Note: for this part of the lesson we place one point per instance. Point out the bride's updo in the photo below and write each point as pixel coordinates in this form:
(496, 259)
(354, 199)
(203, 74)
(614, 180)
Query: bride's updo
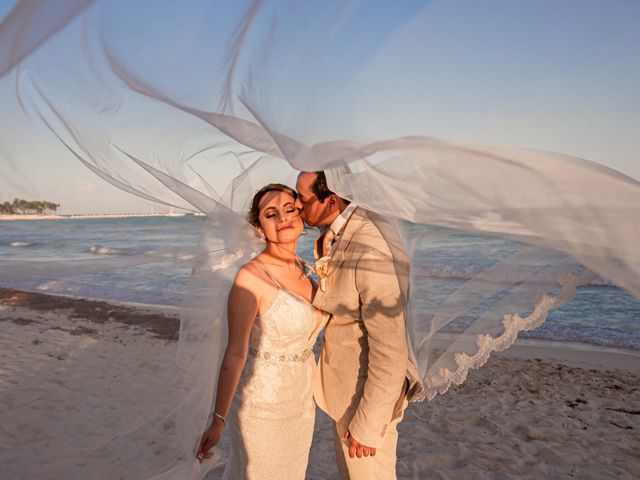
(254, 211)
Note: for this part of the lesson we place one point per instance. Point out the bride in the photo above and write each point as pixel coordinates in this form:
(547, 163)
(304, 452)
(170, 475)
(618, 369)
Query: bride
(264, 395)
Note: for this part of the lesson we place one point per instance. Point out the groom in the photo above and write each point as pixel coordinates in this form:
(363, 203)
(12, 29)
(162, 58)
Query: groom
(366, 374)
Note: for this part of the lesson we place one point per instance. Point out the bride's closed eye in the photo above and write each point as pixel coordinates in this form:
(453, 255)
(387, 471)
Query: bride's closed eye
(271, 215)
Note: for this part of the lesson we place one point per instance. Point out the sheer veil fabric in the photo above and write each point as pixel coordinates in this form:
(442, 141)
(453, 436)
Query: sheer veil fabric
(197, 104)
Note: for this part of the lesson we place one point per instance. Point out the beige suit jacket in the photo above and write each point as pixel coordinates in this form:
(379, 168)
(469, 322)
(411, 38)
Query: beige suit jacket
(366, 368)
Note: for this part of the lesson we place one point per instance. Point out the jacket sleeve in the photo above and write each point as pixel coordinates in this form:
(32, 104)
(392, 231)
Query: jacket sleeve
(383, 314)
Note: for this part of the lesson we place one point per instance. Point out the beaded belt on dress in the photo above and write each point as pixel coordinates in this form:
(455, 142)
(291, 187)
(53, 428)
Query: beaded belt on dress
(281, 357)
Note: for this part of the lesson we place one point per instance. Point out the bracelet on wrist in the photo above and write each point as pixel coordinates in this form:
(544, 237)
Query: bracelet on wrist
(215, 415)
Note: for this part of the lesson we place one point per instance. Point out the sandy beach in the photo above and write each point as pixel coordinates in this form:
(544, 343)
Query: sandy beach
(538, 411)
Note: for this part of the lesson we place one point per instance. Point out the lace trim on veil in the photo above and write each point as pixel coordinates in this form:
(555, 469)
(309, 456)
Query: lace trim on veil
(442, 380)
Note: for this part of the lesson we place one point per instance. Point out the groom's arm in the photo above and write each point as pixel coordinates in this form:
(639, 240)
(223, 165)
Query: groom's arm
(383, 309)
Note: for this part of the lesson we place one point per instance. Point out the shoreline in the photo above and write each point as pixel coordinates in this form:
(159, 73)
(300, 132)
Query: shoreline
(578, 355)
(571, 354)
(161, 324)
(30, 217)
(155, 307)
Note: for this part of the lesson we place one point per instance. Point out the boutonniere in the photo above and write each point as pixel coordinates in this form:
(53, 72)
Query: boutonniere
(322, 270)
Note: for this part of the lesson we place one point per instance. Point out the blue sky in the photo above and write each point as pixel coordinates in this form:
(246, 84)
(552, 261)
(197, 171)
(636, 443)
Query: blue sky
(559, 76)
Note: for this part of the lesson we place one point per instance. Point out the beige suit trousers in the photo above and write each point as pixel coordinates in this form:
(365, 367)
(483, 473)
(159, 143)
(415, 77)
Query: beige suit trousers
(382, 466)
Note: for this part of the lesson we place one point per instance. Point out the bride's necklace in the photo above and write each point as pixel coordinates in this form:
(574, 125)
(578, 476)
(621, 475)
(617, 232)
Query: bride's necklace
(305, 270)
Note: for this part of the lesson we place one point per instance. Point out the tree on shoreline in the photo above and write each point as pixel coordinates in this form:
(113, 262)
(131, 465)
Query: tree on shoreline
(20, 207)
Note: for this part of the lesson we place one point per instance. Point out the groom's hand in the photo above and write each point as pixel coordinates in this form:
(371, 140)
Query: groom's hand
(356, 448)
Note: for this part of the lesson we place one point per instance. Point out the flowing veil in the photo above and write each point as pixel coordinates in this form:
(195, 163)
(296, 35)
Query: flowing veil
(176, 103)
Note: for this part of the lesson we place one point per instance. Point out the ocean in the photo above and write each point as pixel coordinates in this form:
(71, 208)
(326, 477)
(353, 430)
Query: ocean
(601, 314)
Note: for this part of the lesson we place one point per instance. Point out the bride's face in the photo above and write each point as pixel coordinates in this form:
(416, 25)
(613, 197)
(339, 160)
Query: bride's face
(279, 217)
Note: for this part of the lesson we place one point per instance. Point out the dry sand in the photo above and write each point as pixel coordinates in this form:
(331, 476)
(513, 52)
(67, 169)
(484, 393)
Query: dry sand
(540, 411)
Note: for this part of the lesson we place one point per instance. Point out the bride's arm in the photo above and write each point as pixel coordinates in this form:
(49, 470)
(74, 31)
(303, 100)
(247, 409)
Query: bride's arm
(242, 308)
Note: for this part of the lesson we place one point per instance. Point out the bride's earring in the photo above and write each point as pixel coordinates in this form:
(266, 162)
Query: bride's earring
(260, 234)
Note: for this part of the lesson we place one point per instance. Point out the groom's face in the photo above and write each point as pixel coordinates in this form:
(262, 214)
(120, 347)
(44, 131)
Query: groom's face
(314, 212)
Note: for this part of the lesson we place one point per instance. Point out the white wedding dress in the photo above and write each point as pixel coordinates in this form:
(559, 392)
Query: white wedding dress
(273, 412)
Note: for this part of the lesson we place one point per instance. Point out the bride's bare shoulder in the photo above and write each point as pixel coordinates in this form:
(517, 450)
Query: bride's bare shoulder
(251, 276)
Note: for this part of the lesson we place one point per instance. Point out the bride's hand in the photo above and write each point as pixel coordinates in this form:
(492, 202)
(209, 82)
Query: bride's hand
(210, 438)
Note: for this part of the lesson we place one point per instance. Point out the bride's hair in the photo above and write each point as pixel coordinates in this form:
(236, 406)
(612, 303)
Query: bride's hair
(254, 211)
